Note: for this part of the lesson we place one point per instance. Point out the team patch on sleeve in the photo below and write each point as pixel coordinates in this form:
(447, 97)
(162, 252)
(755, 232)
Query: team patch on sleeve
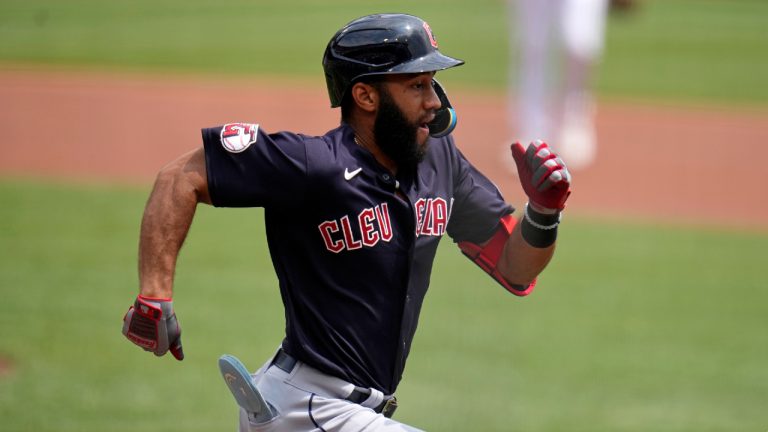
(236, 137)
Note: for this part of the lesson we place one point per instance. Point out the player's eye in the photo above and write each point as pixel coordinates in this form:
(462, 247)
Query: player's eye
(421, 82)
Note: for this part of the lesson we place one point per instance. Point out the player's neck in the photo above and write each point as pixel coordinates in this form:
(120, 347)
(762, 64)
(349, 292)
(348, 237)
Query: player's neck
(365, 138)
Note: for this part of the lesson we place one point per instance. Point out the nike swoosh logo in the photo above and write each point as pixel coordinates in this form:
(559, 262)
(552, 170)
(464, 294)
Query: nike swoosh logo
(348, 175)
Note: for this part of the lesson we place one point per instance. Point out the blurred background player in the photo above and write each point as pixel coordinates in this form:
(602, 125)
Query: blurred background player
(555, 46)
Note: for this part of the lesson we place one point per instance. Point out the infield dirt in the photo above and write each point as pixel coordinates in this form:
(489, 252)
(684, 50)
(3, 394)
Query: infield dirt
(678, 164)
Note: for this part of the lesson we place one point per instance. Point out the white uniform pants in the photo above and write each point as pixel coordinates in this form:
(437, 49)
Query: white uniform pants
(308, 400)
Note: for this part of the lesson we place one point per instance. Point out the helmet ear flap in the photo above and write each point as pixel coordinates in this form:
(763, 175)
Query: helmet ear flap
(445, 117)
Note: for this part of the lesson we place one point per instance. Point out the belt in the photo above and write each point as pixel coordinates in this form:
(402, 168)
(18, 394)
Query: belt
(286, 363)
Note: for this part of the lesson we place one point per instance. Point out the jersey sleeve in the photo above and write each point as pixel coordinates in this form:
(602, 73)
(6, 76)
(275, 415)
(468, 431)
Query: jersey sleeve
(249, 168)
(478, 204)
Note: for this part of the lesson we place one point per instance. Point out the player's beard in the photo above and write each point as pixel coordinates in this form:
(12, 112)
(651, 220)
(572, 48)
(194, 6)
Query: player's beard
(395, 135)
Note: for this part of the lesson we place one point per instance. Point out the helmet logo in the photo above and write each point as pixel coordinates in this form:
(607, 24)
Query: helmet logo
(432, 39)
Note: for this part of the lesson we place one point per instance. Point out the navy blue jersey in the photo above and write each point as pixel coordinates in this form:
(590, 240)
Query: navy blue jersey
(353, 258)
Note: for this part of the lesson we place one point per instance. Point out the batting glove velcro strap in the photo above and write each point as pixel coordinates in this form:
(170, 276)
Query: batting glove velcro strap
(151, 324)
(539, 230)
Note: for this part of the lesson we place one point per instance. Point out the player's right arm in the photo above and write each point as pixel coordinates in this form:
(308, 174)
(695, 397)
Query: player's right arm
(168, 214)
(151, 323)
(231, 169)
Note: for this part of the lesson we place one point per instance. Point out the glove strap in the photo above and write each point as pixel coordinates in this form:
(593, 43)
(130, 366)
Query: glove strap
(543, 218)
(539, 230)
(155, 299)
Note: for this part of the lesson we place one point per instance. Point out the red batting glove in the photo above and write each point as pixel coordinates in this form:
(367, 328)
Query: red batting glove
(151, 324)
(543, 175)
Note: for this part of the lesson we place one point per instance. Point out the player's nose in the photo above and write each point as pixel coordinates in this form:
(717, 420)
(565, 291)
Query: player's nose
(432, 100)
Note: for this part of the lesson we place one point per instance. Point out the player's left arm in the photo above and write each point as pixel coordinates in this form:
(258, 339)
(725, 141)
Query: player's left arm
(521, 248)
(547, 183)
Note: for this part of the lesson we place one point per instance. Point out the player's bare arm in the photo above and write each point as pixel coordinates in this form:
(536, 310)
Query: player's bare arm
(151, 322)
(178, 188)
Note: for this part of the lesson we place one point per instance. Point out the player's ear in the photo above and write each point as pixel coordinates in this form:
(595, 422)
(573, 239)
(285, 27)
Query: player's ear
(365, 96)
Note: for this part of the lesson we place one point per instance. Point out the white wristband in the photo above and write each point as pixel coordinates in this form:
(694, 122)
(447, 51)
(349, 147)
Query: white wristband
(538, 225)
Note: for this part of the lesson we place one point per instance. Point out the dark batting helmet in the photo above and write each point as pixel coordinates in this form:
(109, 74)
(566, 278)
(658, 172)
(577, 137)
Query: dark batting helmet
(379, 45)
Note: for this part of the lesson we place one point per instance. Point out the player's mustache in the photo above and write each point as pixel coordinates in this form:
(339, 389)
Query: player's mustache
(428, 117)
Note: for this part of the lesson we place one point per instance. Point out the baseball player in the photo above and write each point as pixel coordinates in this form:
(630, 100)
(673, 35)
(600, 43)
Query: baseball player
(556, 47)
(353, 221)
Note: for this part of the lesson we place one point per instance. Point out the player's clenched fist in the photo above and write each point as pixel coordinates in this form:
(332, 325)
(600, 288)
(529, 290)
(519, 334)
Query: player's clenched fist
(151, 324)
(543, 175)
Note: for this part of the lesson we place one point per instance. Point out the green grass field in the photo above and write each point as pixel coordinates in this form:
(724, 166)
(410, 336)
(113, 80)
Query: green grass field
(633, 327)
(695, 50)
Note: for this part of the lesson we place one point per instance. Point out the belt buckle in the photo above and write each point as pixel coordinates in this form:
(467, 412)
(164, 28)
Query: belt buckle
(389, 407)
